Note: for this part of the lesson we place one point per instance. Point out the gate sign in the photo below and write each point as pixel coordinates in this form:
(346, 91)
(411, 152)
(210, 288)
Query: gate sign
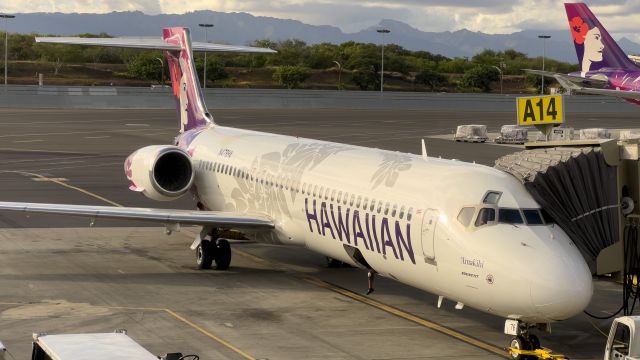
(540, 110)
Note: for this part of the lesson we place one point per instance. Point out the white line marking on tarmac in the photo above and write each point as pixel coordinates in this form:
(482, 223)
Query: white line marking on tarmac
(28, 141)
(136, 124)
(97, 137)
(50, 179)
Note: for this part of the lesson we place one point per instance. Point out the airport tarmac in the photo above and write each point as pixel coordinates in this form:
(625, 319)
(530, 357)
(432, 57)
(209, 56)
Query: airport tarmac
(59, 276)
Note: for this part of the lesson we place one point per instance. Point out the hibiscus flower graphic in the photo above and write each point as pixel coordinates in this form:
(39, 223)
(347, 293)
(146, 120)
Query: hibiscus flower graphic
(579, 29)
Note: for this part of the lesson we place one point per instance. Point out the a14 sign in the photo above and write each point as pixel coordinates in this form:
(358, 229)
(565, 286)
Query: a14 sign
(540, 110)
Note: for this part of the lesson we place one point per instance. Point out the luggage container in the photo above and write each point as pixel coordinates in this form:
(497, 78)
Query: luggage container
(471, 133)
(512, 134)
(594, 134)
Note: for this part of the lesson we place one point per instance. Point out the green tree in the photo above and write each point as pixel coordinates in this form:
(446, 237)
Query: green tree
(365, 78)
(146, 66)
(291, 76)
(480, 77)
(431, 79)
(216, 70)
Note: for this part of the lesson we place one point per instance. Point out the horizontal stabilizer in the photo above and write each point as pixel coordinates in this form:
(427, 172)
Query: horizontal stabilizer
(162, 216)
(578, 80)
(151, 43)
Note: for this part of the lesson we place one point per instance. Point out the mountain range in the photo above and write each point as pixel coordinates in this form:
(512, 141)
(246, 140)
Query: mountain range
(244, 28)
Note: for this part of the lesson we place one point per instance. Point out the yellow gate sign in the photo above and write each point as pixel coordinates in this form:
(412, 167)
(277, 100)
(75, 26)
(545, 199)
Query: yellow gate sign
(540, 110)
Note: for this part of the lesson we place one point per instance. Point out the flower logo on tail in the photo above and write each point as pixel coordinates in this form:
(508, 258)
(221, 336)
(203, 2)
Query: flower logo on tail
(579, 29)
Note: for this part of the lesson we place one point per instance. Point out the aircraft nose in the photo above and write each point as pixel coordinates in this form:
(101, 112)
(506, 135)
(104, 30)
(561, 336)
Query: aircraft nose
(563, 287)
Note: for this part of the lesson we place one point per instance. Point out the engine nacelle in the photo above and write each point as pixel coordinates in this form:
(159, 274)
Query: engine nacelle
(160, 172)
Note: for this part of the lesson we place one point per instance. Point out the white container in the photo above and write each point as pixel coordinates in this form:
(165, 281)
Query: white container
(471, 133)
(561, 134)
(594, 134)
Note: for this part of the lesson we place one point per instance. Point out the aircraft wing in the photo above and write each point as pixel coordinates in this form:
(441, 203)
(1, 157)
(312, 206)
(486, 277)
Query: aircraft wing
(151, 43)
(167, 217)
(573, 79)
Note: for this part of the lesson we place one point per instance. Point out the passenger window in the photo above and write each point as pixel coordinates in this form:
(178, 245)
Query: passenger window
(393, 212)
(409, 214)
(466, 215)
(366, 202)
(304, 188)
(333, 195)
(509, 216)
(533, 217)
(345, 198)
(485, 215)
(401, 213)
(379, 207)
(359, 201)
(315, 190)
(339, 196)
(373, 205)
(353, 197)
(386, 209)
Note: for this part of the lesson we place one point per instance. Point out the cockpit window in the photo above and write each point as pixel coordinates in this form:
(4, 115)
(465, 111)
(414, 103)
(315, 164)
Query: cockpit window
(492, 197)
(533, 217)
(547, 218)
(466, 215)
(485, 215)
(510, 216)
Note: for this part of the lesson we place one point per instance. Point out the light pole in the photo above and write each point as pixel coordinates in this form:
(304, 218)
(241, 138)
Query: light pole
(6, 45)
(206, 28)
(161, 63)
(500, 70)
(544, 54)
(339, 74)
(382, 31)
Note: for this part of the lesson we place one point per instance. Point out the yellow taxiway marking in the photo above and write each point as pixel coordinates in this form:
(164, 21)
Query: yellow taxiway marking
(315, 281)
(177, 317)
(378, 305)
(168, 311)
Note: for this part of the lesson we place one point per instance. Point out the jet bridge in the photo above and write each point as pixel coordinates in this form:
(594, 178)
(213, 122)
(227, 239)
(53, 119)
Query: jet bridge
(590, 188)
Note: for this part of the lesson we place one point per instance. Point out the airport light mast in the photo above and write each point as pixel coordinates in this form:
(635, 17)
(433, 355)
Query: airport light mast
(339, 74)
(383, 32)
(6, 45)
(544, 54)
(206, 30)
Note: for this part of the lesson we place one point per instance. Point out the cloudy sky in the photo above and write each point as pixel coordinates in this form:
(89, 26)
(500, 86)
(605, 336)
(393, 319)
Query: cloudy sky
(490, 16)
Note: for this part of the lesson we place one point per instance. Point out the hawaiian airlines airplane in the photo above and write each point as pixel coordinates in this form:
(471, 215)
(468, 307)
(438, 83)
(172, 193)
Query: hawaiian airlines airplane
(465, 232)
(604, 68)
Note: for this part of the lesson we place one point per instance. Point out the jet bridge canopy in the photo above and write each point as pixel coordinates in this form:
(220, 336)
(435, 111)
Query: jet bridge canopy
(577, 188)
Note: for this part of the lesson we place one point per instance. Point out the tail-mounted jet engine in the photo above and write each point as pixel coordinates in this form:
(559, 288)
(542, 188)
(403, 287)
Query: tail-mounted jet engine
(160, 172)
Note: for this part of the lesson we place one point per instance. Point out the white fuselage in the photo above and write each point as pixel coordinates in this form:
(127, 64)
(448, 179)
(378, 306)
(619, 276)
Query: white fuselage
(400, 213)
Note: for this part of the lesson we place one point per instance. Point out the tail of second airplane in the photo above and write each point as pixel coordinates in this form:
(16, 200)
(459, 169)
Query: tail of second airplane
(595, 48)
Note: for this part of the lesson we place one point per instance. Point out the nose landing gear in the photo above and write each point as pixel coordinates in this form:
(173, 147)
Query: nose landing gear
(524, 345)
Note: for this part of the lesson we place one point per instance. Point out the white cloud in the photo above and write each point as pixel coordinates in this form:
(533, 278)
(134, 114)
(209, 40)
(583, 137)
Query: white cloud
(490, 16)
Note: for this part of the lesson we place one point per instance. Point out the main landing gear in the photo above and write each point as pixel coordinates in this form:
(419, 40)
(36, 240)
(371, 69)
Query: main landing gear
(210, 251)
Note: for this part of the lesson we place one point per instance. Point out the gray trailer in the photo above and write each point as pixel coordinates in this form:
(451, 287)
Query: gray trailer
(102, 346)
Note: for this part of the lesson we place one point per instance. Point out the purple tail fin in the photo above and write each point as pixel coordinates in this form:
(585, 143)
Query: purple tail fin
(596, 49)
(192, 110)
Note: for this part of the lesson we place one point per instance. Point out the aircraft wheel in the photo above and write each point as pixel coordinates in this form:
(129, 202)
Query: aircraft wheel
(223, 254)
(518, 343)
(205, 254)
(333, 263)
(534, 342)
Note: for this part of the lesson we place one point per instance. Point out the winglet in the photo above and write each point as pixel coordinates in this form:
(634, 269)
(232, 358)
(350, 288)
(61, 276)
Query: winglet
(424, 150)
